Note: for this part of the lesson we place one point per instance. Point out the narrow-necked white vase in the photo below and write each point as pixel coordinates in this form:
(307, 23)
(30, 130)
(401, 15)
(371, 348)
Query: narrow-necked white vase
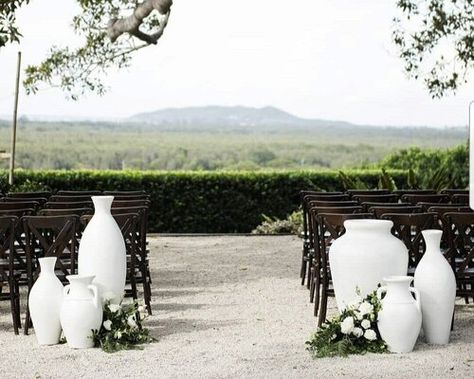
(399, 321)
(44, 303)
(102, 251)
(435, 280)
(363, 256)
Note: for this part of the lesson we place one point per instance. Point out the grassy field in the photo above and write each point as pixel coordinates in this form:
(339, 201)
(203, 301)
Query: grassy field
(134, 146)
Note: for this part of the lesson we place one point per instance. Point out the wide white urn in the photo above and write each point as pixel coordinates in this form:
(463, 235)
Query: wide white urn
(365, 254)
(81, 311)
(102, 251)
(435, 280)
(399, 321)
(44, 303)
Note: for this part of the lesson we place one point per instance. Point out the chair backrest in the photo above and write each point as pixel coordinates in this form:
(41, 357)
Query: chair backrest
(79, 193)
(323, 197)
(29, 195)
(48, 236)
(460, 198)
(19, 205)
(378, 211)
(453, 191)
(425, 198)
(70, 198)
(18, 212)
(461, 242)
(383, 198)
(39, 200)
(130, 203)
(65, 212)
(408, 227)
(68, 205)
(321, 203)
(427, 206)
(414, 192)
(7, 240)
(353, 192)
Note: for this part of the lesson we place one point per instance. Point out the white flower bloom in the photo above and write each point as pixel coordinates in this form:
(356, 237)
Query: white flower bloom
(141, 309)
(370, 335)
(333, 337)
(107, 324)
(358, 315)
(366, 308)
(347, 325)
(131, 321)
(108, 295)
(118, 334)
(114, 308)
(365, 324)
(354, 304)
(358, 332)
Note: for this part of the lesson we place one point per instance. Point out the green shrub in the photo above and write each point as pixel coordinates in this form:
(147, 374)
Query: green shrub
(205, 202)
(293, 224)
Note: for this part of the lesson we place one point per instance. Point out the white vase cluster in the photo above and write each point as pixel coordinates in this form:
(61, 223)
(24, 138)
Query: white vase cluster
(368, 254)
(76, 309)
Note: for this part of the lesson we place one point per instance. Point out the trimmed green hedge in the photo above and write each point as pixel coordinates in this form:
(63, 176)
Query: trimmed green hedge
(204, 202)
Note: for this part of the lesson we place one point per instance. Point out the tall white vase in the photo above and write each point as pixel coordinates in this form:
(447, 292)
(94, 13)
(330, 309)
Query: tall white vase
(399, 321)
(102, 251)
(435, 280)
(44, 303)
(81, 311)
(363, 256)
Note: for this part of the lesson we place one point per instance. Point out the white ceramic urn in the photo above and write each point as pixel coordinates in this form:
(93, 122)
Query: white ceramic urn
(435, 280)
(81, 311)
(102, 251)
(44, 302)
(363, 256)
(399, 321)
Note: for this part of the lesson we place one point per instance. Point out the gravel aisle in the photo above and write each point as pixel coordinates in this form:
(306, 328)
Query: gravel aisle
(230, 307)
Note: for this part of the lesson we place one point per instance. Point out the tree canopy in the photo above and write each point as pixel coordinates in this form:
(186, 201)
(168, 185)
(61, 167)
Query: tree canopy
(112, 30)
(436, 42)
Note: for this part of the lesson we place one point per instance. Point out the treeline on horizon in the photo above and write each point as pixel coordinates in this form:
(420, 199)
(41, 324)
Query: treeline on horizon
(117, 146)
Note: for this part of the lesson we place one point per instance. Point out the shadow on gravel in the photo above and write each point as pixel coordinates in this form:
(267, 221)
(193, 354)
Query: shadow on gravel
(165, 327)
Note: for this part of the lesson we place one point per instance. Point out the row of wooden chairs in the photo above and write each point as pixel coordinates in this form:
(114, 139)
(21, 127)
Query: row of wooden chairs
(39, 231)
(324, 223)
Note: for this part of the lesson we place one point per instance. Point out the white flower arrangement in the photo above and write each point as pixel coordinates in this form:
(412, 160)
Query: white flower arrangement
(353, 331)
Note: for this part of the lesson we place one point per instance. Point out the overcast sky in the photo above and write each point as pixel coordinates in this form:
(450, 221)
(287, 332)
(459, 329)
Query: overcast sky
(329, 59)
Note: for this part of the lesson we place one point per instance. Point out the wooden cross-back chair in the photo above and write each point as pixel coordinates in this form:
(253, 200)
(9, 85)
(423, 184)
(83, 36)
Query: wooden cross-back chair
(19, 205)
(381, 198)
(461, 256)
(8, 274)
(378, 211)
(68, 205)
(70, 198)
(408, 228)
(29, 195)
(125, 193)
(79, 193)
(39, 200)
(460, 198)
(414, 199)
(50, 236)
(402, 192)
(306, 197)
(354, 192)
(314, 273)
(331, 227)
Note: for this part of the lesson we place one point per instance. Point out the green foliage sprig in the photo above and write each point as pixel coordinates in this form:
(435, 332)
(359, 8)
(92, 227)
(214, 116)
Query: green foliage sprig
(122, 328)
(353, 331)
(293, 224)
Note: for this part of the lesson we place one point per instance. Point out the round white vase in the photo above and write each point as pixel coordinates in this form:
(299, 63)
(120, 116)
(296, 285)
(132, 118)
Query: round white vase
(399, 321)
(435, 280)
(44, 303)
(102, 251)
(363, 256)
(81, 311)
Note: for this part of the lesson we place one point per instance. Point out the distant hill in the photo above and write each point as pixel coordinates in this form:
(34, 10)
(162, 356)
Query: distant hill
(228, 116)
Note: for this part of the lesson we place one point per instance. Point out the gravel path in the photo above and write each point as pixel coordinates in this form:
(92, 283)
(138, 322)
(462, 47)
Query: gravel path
(230, 307)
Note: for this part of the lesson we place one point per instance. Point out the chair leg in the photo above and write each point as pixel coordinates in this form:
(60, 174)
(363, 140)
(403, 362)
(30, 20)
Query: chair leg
(317, 297)
(311, 285)
(13, 306)
(324, 302)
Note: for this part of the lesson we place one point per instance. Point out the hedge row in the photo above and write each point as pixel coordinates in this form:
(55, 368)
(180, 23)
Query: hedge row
(203, 202)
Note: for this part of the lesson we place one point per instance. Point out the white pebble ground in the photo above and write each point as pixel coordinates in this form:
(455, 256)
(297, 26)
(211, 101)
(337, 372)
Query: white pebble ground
(231, 307)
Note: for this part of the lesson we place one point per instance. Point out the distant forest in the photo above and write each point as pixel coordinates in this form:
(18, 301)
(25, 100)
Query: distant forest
(106, 145)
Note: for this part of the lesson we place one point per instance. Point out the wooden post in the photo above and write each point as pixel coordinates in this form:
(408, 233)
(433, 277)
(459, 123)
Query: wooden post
(15, 114)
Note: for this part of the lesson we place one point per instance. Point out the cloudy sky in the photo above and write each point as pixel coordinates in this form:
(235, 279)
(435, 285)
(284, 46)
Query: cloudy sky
(329, 59)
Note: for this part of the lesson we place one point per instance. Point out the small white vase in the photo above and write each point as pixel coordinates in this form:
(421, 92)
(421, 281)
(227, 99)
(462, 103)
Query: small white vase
(44, 303)
(81, 311)
(102, 251)
(435, 280)
(363, 256)
(399, 321)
